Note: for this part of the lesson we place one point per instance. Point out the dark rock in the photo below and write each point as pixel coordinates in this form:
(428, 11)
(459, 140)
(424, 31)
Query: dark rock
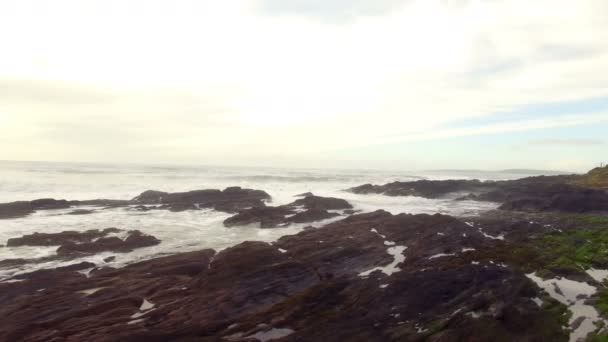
(74, 244)
(423, 188)
(306, 194)
(15, 209)
(268, 217)
(109, 259)
(312, 215)
(315, 209)
(542, 193)
(309, 283)
(135, 239)
(321, 203)
(81, 212)
(150, 197)
(230, 200)
(24, 208)
(49, 203)
(56, 239)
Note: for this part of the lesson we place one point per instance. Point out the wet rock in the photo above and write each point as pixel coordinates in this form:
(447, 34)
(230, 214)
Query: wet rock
(134, 240)
(568, 199)
(423, 188)
(109, 259)
(305, 287)
(312, 215)
(308, 209)
(321, 203)
(75, 244)
(80, 212)
(15, 209)
(56, 239)
(267, 217)
(24, 208)
(306, 194)
(542, 193)
(230, 200)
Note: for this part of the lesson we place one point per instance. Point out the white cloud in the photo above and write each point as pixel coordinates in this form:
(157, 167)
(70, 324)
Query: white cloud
(224, 82)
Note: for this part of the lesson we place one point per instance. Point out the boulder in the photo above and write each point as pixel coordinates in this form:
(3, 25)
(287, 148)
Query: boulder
(231, 199)
(304, 210)
(134, 240)
(311, 215)
(56, 239)
(321, 203)
(267, 217)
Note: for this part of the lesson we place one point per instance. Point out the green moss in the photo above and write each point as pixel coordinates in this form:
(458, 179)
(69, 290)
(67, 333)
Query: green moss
(596, 178)
(598, 338)
(576, 249)
(558, 310)
(601, 302)
(589, 221)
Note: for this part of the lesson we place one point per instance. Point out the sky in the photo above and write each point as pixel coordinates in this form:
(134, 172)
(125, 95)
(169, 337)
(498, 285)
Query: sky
(412, 84)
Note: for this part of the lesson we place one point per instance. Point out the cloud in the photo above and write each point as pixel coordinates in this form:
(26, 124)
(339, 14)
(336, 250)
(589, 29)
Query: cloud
(239, 81)
(572, 142)
(329, 10)
(33, 92)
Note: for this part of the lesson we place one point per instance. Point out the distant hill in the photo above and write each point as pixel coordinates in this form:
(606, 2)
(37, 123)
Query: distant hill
(597, 178)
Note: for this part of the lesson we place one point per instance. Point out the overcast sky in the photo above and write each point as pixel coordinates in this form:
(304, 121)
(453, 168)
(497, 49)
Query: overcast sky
(485, 84)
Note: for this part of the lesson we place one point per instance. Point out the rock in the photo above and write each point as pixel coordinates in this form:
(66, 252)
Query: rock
(73, 244)
(423, 188)
(306, 194)
(56, 239)
(24, 208)
(80, 212)
(230, 200)
(312, 215)
(542, 193)
(135, 239)
(305, 287)
(315, 209)
(321, 203)
(109, 259)
(15, 209)
(150, 197)
(567, 199)
(267, 217)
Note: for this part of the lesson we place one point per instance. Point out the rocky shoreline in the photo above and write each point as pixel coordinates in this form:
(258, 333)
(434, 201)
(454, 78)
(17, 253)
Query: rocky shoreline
(533, 270)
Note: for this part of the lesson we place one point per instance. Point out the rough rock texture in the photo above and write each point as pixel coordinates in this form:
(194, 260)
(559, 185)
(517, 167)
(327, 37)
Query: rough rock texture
(56, 239)
(74, 244)
(80, 212)
(321, 203)
(230, 200)
(543, 193)
(267, 217)
(423, 188)
(308, 209)
(134, 240)
(23, 208)
(318, 285)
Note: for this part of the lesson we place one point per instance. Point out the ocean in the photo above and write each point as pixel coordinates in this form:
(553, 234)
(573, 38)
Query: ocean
(194, 230)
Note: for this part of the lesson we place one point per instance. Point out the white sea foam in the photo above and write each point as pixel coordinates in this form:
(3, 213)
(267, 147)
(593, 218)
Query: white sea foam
(397, 253)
